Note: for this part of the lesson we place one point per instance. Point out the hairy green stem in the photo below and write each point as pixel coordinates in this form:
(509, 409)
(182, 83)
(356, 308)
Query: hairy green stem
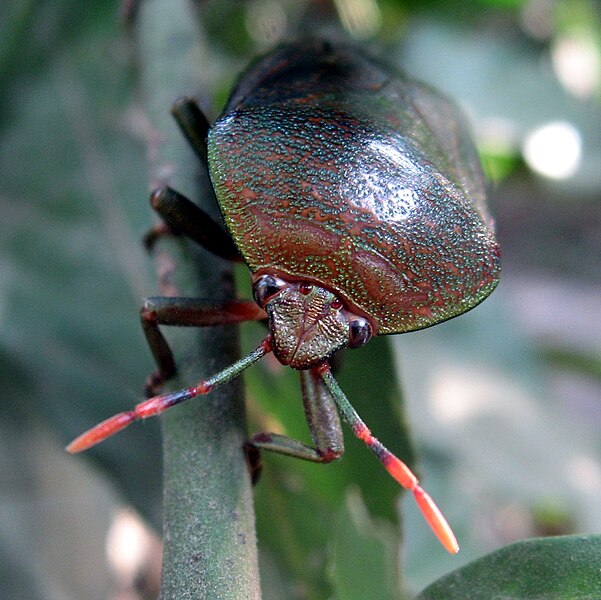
(209, 532)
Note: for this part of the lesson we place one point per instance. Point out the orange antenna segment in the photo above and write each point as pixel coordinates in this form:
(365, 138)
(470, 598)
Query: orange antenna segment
(158, 404)
(394, 465)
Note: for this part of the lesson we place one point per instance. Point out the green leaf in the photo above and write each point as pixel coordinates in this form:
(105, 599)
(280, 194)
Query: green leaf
(559, 568)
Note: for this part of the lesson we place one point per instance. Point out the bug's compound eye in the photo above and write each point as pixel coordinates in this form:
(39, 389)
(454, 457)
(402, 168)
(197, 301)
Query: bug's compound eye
(360, 332)
(336, 304)
(266, 287)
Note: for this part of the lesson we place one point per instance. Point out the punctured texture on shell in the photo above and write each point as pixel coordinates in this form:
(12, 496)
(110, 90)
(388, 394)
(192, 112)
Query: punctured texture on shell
(331, 168)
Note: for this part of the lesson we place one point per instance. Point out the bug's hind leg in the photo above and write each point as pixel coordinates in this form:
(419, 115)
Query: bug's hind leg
(182, 216)
(193, 124)
(323, 421)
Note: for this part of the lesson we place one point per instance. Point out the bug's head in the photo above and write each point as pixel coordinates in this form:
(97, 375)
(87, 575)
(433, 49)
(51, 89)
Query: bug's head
(308, 323)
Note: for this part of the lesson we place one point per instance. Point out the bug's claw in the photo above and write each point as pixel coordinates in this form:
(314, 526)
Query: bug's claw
(153, 384)
(155, 233)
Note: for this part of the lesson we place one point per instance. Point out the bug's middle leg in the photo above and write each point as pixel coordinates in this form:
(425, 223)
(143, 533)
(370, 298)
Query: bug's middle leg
(324, 425)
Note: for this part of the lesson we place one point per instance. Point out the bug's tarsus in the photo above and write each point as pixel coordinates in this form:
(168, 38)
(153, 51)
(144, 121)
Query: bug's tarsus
(154, 383)
(324, 426)
(282, 444)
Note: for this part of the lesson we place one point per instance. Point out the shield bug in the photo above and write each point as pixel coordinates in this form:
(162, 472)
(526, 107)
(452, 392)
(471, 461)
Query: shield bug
(355, 197)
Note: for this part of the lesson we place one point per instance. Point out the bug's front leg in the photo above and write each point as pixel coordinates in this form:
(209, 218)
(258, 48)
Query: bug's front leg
(324, 425)
(186, 312)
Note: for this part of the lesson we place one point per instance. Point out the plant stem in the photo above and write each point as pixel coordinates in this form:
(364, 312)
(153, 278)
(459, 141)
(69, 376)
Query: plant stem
(209, 532)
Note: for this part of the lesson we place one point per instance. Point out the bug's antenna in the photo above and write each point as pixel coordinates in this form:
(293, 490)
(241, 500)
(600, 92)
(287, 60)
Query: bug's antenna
(396, 467)
(158, 404)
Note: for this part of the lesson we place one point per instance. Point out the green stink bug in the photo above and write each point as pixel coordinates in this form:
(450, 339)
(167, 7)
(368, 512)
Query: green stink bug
(355, 198)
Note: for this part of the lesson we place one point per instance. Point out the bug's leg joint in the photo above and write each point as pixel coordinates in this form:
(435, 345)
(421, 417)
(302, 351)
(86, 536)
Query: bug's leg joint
(329, 455)
(150, 320)
(148, 314)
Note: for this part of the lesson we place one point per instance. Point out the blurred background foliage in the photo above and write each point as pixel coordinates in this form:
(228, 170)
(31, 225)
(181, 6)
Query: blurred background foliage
(503, 403)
